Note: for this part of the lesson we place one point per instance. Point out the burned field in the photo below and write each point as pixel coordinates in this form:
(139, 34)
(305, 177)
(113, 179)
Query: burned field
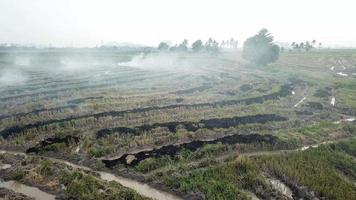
(174, 150)
(209, 127)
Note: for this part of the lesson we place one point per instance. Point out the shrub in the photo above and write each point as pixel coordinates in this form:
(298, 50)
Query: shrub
(259, 49)
(150, 164)
(18, 174)
(45, 168)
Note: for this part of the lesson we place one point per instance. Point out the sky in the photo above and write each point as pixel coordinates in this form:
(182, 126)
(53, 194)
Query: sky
(93, 22)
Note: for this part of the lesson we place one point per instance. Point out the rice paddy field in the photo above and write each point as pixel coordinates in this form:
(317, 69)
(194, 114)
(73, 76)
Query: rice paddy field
(185, 125)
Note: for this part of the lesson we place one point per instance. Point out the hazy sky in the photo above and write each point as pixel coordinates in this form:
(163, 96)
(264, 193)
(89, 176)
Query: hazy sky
(88, 22)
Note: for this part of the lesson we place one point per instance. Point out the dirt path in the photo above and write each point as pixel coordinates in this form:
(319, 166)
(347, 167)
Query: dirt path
(29, 191)
(148, 191)
(141, 188)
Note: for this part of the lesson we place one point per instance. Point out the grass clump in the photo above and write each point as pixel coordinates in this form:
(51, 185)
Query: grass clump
(87, 187)
(18, 174)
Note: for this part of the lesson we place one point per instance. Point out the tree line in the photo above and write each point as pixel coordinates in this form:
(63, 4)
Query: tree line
(258, 49)
(210, 45)
(305, 46)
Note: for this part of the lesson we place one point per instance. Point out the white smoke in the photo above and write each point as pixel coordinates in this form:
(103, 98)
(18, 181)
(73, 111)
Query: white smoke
(75, 65)
(12, 77)
(163, 61)
(22, 60)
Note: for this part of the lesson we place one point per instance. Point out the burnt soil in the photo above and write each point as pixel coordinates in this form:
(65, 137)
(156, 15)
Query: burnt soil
(173, 150)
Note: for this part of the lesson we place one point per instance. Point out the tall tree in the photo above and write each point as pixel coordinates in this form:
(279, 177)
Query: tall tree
(260, 49)
(301, 45)
(223, 44)
(236, 43)
(293, 45)
(308, 46)
(197, 46)
(163, 46)
(232, 41)
(183, 46)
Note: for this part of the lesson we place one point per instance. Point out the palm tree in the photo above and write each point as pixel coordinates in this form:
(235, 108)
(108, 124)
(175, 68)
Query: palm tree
(293, 45)
(301, 45)
(236, 43)
(197, 45)
(223, 43)
(308, 46)
(232, 42)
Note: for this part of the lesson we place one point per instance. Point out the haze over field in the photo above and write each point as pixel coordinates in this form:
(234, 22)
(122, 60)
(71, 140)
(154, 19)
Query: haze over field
(173, 100)
(10, 77)
(90, 23)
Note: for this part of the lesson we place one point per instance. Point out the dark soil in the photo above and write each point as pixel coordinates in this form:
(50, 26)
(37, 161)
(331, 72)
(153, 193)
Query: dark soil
(53, 140)
(194, 126)
(284, 91)
(246, 87)
(173, 150)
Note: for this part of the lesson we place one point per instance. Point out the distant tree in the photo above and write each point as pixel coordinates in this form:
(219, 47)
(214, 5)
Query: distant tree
(293, 45)
(232, 43)
(320, 44)
(226, 43)
(260, 49)
(185, 42)
(301, 45)
(173, 48)
(222, 44)
(209, 42)
(183, 46)
(308, 46)
(215, 46)
(235, 45)
(197, 46)
(163, 46)
(211, 46)
(305, 46)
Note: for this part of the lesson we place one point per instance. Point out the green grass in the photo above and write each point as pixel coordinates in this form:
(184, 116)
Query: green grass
(86, 187)
(346, 90)
(220, 182)
(348, 97)
(327, 170)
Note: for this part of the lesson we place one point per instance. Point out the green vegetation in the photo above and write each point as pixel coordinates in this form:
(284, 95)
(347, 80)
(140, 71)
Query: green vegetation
(18, 174)
(135, 107)
(346, 90)
(86, 187)
(99, 151)
(328, 170)
(211, 46)
(222, 182)
(325, 170)
(52, 175)
(45, 168)
(81, 186)
(153, 163)
(306, 46)
(259, 49)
